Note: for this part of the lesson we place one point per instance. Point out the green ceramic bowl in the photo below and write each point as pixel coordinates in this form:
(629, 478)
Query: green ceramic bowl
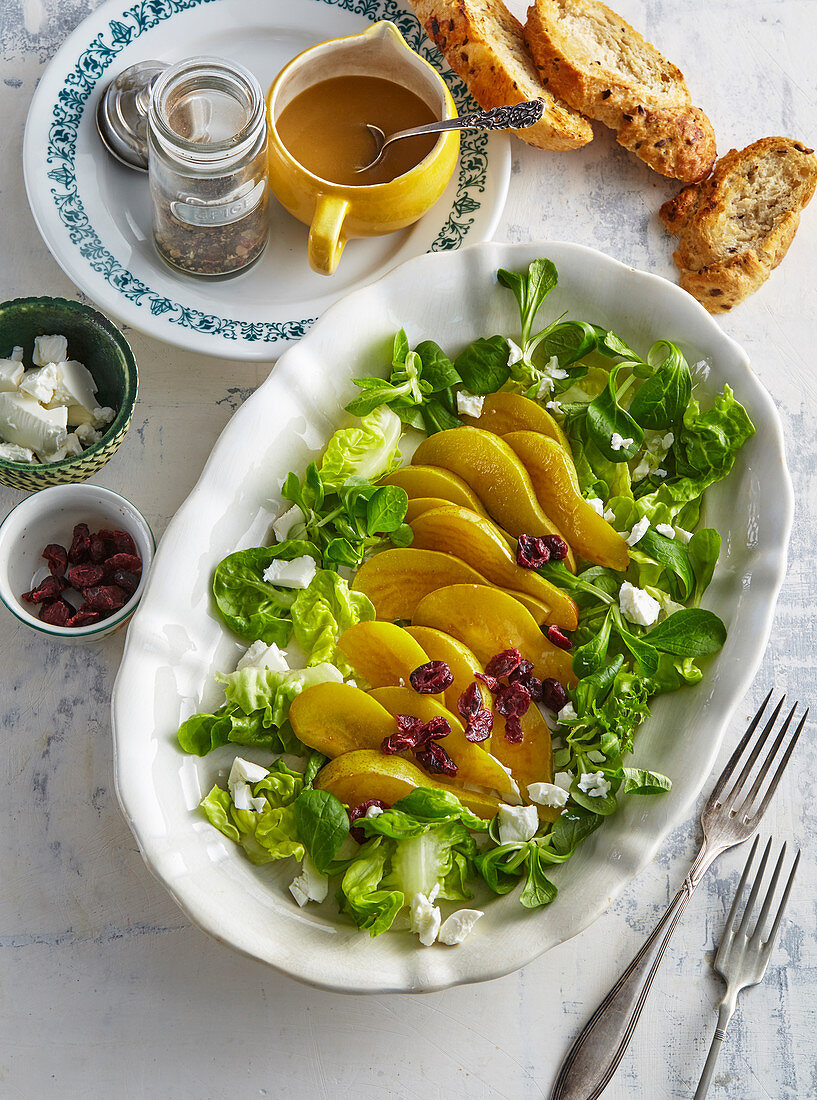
(100, 346)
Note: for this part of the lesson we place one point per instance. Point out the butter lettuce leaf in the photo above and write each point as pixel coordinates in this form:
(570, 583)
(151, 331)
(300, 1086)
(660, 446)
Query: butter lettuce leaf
(265, 836)
(322, 612)
(250, 606)
(270, 694)
(368, 449)
(202, 733)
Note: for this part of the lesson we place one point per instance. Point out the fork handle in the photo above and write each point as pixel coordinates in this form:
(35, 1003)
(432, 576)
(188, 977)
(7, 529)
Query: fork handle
(724, 1016)
(600, 1046)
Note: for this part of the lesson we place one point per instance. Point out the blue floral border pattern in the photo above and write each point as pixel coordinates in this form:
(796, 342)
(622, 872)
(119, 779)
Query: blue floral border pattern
(67, 116)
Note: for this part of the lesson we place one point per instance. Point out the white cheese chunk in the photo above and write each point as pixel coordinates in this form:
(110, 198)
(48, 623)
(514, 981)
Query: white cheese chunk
(245, 771)
(25, 422)
(49, 349)
(374, 811)
(517, 824)
(563, 780)
(514, 353)
(85, 433)
(470, 404)
(425, 917)
(610, 515)
(568, 713)
(638, 531)
(297, 573)
(40, 383)
(75, 385)
(637, 605)
(16, 354)
(619, 443)
(261, 655)
(241, 794)
(597, 504)
(460, 924)
(511, 792)
(78, 414)
(285, 522)
(12, 453)
(11, 374)
(102, 416)
(594, 785)
(310, 885)
(682, 535)
(547, 794)
(554, 406)
(665, 530)
(70, 447)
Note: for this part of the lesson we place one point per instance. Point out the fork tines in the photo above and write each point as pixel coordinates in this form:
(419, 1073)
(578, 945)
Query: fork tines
(742, 928)
(739, 802)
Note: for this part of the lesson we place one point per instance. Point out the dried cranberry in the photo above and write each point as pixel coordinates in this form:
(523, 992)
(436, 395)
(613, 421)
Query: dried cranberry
(503, 663)
(80, 547)
(56, 613)
(121, 541)
(49, 589)
(407, 723)
(479, 726)
(490, 682)
(360, 811)
(512, 699)
(408, 736)
(432, 678)
(435, 759)
(84, 618)
(435, 728)
(531, 552)
(130, 562)
(554, 695)
(513, 730)
(85, 576)
(521, 671)
(558, 639)
(557, 547)
(105, 597)
(524, 676)
(126, 580)
(57, 558)
(470, 701)
(100, 549)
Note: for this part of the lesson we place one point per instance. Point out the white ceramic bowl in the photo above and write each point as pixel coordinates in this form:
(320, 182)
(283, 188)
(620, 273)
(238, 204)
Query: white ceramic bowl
(175, 642)
(50, 516)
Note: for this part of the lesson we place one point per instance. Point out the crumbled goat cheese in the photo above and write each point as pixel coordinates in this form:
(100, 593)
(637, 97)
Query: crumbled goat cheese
(49, 349)
(517, 824)
(551, 372)
(619, 443)
(16, 354)
(374, 811)
(85, 433)
(102, 416)
(594, 785)
(40, 383)
(660, 472)
(470, 404)
(297, 573)
(12, 453)
(610, 515)
(563, 780)
(459, 925)
(425, 917)
(261, 655)
(285, 522)
(665, 530)
(514, 353)
(547, 794)
(638, 531)
(597, 504)
(310, 885)
(682, 535)
(637, 605)
(554, 406)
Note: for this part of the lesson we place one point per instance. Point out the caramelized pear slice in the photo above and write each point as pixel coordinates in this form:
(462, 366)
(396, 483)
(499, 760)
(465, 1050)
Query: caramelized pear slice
(589, 535)
(511, 412)
(489, 621)
(496, 475)
(381, 653)
(476, 540)
(461, 661)
(358, 776)
(474, 765)
(337, 718)
(433, 481)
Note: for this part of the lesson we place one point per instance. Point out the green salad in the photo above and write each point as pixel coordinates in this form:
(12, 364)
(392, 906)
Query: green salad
(644, 451)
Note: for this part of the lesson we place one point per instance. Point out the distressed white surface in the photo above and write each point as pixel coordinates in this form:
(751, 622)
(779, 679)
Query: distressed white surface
(107, 992)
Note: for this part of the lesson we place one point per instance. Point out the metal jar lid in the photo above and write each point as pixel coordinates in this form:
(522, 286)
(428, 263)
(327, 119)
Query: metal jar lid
(121, 114)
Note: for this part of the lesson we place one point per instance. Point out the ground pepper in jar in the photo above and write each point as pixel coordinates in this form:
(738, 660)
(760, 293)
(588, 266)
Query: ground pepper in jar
(207, 163)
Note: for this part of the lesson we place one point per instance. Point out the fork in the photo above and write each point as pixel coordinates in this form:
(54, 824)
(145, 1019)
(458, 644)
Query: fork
(742, 958)
(729, 818)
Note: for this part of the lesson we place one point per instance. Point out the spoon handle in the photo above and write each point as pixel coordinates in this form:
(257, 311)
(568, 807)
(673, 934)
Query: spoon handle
(516, 117)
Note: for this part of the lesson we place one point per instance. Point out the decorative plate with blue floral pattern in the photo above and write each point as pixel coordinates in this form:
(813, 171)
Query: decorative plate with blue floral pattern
(94, 215)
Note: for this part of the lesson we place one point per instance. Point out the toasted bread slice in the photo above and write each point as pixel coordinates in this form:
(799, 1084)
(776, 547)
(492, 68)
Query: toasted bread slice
(736, 226)
(590, 57)
(484, 45)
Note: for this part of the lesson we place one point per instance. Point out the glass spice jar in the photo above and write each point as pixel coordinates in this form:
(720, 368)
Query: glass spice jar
(207, 165)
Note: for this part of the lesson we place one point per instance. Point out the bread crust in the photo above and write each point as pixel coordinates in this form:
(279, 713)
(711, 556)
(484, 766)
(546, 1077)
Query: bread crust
(484, 44)
(735, 227)
(594, 60)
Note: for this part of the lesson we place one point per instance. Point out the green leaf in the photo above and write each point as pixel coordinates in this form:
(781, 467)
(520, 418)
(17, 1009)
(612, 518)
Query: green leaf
(530, 291)
(386, 510)
(437, 418)
(593, 689)
(639, 781)
(322, 611)
(692, 632)
(247, 603)
(483, 365)
(605, 417)
(322, 825)
(662, 400)
(569, 341)
(400, 348)
(641, 648)
(673, 556)
(202, 733)
(366, 450)
(611, 344)
(573, 826)
(589, 658)
(538, 889)
(265, 836)
(704, 549)
(313, 765)
(437, 369)
(360, 894)
(252, 690)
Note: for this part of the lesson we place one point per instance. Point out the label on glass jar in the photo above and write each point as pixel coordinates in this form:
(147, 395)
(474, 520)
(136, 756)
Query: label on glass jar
(197, 212)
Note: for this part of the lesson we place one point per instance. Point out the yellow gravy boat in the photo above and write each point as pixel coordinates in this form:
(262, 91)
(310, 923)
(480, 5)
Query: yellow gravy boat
(337, 212)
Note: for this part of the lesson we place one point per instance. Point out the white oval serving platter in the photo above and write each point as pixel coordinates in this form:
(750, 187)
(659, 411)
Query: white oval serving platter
(175, 643)
(94, 214)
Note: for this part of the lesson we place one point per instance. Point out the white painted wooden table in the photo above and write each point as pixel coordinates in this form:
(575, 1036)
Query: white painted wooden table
(107, 991)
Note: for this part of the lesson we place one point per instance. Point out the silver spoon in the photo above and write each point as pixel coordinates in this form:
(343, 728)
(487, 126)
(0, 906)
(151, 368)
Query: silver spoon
(515, 117)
